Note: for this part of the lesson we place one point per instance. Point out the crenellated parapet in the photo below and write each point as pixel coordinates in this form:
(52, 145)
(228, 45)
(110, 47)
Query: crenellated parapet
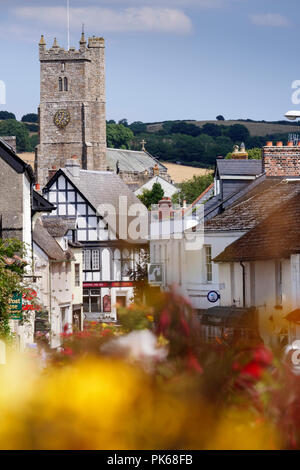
(59, 53)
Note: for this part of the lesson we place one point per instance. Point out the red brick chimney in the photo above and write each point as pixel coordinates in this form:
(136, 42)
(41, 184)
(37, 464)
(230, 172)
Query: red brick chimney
(279, 160)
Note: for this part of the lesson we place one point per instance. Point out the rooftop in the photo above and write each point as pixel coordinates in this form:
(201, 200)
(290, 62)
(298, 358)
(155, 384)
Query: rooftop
(252, 208)
(276, 236)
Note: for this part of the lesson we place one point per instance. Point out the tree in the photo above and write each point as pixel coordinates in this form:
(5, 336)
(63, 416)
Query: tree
(124, 122)
(220, 118)
(191, 189)
(31, 117)
(11, 127)
(6, 115)
(255, 153)
(34, 141)
(138, 127)
(185, 128)
(118, 136)
(212, 129)
(153, 196)
(238, 133)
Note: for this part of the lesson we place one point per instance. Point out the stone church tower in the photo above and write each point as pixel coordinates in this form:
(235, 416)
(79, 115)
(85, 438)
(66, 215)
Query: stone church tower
(72, 107)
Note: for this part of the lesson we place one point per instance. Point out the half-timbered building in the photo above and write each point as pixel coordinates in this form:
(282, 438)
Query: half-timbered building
(108, 260)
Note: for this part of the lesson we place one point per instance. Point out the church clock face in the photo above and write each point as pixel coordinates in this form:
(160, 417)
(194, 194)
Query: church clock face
(62, 118)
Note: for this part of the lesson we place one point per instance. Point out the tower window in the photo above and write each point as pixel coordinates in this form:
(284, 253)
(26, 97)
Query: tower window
(60, 84)
(66, 84)
(63, 67)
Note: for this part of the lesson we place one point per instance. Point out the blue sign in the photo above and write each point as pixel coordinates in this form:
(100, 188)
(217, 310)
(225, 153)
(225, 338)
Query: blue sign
(213, 296)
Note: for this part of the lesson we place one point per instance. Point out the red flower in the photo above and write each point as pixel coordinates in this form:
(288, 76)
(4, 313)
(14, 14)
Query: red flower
(263, 356)
(67, 351)
(253, 369)
(193, 364)
(184, 325)
(164, 322)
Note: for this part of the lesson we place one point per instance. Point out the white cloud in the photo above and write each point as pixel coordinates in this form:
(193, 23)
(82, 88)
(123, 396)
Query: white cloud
(168, 20)
(270, 19)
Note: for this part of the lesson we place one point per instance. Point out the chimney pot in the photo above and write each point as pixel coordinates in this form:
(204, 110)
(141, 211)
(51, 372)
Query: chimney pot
(279, 144)
(290, 144)
(37, 187)
(269, 143)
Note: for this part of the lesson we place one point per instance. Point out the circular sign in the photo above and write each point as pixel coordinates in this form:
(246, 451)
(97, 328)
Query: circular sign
(213, 296)
(62, 118)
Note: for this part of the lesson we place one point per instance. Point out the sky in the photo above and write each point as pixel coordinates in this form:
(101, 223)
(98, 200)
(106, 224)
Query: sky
(165, 59)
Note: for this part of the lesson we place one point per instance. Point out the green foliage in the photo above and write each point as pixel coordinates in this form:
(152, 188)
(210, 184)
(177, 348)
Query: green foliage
(185, 128)
(137, 127)
(238, 133)
(6, 115)
(255, 153)
(118, 136)
(34, 141)
(30, 117)
(212, 129)
(10, 281)
(11, 127)
(220, 118)
(191, 189)
(153, 196)
(32, 127)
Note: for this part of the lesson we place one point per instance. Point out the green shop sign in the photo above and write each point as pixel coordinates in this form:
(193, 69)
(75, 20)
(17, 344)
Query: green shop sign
(15, 306)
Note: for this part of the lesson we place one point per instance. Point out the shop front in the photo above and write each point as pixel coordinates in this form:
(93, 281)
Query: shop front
(101, 300)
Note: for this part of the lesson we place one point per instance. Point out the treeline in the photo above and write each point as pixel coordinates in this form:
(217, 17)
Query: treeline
(175, 141)
(186, 143)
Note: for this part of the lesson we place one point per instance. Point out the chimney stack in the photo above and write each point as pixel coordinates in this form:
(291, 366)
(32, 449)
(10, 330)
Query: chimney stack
(280, 160)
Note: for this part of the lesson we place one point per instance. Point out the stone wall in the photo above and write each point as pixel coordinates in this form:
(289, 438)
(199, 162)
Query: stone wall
(10, 140)
(11, 201)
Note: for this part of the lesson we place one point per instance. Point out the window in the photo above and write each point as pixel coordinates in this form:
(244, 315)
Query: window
(66, 84)
(95, 260)
(208, 263)
(92, 300)
(60, 84)
(63, 66)
(86, 260)
(77, 274)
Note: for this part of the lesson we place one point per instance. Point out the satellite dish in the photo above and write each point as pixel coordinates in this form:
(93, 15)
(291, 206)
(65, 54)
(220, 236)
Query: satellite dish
(292, 115)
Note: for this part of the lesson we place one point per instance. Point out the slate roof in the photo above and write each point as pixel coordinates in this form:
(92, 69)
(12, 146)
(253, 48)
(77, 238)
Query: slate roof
(277, 236)
(102, 187)
(226, 167)
(169, 188)
(40, 204)
(49, 245)
(57, 226)
(253, 209)
(131, 160)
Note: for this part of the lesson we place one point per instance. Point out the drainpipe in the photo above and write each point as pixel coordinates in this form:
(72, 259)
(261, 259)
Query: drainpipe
(244, 283)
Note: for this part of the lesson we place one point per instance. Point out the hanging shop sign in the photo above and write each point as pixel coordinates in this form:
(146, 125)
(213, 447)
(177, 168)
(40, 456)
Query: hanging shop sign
(107, 303)
(15, 306)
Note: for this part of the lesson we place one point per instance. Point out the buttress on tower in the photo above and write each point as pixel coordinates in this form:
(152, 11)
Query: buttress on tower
(72, 107)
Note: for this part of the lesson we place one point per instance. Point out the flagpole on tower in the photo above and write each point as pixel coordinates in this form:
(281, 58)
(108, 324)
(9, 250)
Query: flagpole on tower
(68, 22)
